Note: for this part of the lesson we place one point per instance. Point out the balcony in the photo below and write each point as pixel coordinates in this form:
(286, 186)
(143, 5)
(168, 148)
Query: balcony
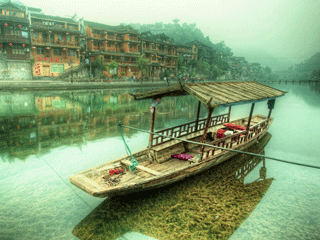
(14, 39)
(38, 42)
(40, 27)
(114, 38)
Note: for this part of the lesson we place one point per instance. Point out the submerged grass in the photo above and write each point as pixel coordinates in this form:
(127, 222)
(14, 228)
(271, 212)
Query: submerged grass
(207, 206)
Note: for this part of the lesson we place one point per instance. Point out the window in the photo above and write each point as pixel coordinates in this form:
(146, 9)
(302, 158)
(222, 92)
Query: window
(40, 50)
(60, 37)
(154, 57)
(25, 34)
(57, 51)
(68, 38)
(18, 51)
(153, 46)
(71, 53)
(12, 13)
(76, 39)
(36, 35)
(57, 68)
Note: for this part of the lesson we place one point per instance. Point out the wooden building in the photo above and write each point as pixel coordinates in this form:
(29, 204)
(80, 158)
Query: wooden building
(113, 43)
(14, 42)
(188, 52)
(161, 52)
(56, 44)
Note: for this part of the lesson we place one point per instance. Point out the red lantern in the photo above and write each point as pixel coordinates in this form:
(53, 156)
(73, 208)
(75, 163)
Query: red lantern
(10, 44)
(19, 26)
(6, 24)
(23, 45)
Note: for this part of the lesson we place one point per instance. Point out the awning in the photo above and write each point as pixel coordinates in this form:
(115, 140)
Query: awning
(215, 94)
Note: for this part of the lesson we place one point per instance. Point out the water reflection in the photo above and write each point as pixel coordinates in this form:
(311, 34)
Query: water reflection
(34, 123)
(207, 206)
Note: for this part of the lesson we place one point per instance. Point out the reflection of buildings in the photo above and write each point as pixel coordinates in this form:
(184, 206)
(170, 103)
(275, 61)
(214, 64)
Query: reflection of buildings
(34, 123)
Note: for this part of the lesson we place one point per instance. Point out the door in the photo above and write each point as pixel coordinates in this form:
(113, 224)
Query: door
(46, 71)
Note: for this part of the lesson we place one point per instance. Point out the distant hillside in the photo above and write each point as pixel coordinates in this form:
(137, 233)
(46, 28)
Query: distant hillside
(310, 64)
(182, 33)
(310, 67)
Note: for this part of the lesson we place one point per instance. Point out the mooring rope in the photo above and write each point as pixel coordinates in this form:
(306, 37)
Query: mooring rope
(67, 184)
(134, 162)
(227, 149)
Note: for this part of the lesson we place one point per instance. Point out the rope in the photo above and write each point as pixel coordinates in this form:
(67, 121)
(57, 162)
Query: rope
(227, 149)
(134, 162)
(67, 184)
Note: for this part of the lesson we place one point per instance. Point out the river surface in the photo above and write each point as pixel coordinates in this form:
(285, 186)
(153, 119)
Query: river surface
(47, 136)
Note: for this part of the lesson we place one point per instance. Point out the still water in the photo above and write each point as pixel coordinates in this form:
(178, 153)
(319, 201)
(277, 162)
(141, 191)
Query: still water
(47, 136)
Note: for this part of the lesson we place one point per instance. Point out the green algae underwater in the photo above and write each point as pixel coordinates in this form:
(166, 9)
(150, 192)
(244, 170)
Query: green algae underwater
(211, 205)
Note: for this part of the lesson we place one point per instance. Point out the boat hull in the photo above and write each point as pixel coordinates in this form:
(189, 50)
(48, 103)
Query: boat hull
(99, 189)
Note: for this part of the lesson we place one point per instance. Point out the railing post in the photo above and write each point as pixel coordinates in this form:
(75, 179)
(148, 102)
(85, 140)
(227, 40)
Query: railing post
(152, 126)
(206, 130)
(197, 117)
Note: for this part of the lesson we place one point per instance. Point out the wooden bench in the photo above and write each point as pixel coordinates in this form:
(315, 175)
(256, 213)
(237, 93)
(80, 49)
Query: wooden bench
(140, 167)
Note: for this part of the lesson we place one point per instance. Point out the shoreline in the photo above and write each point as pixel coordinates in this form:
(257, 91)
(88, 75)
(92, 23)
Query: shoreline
(46, 85)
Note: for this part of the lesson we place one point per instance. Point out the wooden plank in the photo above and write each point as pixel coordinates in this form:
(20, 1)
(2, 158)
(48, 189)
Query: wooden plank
(140, 167)
(194, 151)
(217, 99)
(265, 92)
(223, 91)
(241, 95)
(239, 88)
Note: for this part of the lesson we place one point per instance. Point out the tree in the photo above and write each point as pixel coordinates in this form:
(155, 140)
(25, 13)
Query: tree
(99, 65)
(176, 21)
(113, 65)
(142, 65)
(268, 70)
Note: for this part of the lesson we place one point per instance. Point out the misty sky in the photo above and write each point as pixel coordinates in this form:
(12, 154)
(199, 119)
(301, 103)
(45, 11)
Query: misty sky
(274, 31)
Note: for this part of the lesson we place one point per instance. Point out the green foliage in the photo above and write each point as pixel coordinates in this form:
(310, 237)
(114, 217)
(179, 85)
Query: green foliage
(268, 70)
(166, 73)
(142, 65)
(310, 65)
(98, 63)
(113, 65)
(184, 33)
(123, 73)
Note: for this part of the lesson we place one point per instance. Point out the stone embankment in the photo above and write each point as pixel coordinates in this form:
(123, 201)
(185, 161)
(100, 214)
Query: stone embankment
(46, 85)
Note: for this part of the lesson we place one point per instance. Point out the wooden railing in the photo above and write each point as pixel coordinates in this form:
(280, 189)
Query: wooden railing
(185, 129)
(235, 139)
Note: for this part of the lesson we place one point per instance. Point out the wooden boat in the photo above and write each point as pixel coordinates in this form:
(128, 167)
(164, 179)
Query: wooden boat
(198, 139)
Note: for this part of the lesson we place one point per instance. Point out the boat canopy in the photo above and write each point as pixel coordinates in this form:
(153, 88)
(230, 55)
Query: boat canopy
(215, 94)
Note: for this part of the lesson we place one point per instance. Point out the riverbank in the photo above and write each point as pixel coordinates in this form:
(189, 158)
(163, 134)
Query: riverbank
(47, 85)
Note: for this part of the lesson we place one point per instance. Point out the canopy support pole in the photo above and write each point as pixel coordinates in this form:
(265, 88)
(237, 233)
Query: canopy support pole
(229, 112)
(153, 116)
(249, 120)
(210, 110)
(271, 103)
(197, 117)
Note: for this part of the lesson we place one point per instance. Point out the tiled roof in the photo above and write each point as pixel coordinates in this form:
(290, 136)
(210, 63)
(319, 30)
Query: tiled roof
(53, 18)
(162, 38)
(120, 28)
(218, 93)
(11, 6)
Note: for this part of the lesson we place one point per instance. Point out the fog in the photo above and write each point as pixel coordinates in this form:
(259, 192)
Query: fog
(277, 33)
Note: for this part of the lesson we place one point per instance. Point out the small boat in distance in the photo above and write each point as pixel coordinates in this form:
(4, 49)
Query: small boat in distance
(188, 149)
